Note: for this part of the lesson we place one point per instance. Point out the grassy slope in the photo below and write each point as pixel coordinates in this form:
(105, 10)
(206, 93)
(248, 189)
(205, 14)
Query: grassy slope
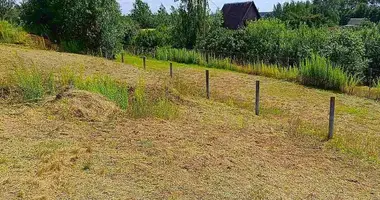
(215, 149)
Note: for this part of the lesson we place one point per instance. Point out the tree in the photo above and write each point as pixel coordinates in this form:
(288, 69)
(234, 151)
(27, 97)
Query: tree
(142, 14)
(130, 29)
(86, 25)
(162, 18)
(8, 10)
(191, 22)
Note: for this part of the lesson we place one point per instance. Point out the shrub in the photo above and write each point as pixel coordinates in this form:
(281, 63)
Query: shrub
(72, 46)
(150, 39)
(346, 48)
(12, 34)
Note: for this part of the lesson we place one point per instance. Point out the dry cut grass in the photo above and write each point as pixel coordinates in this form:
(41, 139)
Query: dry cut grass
(84, 146)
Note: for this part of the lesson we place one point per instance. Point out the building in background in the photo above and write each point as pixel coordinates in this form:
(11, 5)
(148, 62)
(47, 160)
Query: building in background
(236, 15)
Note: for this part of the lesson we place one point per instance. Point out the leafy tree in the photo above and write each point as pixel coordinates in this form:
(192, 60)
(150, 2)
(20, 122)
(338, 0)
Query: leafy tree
(149, 39)
(86, 25)
(130, 30)
(162, 18)
(9, 10)
(346, 48)
(142, 14)
(191, 22)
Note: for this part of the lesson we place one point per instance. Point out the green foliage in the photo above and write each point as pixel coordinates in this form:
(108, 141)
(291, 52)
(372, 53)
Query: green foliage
(149, 39)
(142, 14)
(371, 37)
(320, 73)
(130, 29)
(9, 11)
(298, 13)
(346, 48)
(95, 24)
(223, 41)
(72, 46)
(162, 17)
(326, 12)
(12, 34)
(190, 22)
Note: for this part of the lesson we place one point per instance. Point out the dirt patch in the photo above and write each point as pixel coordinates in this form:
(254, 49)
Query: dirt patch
(84, 106)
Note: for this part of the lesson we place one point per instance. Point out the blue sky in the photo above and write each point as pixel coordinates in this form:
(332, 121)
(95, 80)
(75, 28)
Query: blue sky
(263, 5)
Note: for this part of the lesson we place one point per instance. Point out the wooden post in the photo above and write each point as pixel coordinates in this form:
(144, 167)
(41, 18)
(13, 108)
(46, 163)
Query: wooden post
(331, 120)
(257, 104)
(208, 84)
(171, 70)
(144, 62)
(370, 77)
(122, 57)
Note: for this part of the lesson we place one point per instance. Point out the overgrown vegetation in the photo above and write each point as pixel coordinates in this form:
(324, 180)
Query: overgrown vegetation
(12, 34)
(33, 85)
(316, 71)
(106, 86)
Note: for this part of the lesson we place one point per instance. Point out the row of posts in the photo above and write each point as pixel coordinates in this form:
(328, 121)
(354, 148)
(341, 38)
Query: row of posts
(257, 99)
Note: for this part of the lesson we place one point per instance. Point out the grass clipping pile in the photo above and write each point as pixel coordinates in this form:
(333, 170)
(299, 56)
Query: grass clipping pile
(83, 105)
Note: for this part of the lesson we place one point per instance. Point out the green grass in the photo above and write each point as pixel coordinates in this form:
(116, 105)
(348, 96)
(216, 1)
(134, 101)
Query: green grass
(106, 86)
(140, 106)
(31, 83)
(317, 71)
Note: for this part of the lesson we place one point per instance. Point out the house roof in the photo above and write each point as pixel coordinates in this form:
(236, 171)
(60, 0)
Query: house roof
(235, 13)
(356, 21)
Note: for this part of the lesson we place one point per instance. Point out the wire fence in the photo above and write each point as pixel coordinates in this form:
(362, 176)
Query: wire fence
(370, 78)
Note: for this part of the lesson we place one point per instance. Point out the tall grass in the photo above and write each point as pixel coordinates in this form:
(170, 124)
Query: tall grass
(33, 84)
(12, 34)
(106, 86)
(315, 71)
(140, 105)
(30, 82)
(319, 72)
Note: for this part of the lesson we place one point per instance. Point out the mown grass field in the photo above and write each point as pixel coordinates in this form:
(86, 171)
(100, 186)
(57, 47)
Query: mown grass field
(84, 146)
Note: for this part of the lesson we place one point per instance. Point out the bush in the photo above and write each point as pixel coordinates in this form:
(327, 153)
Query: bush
(95, 23)
(72, 46)
(346, 48)
(12, 34)
(151, 38)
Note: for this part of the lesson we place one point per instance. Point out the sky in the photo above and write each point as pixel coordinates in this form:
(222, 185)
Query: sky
(262, 5)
